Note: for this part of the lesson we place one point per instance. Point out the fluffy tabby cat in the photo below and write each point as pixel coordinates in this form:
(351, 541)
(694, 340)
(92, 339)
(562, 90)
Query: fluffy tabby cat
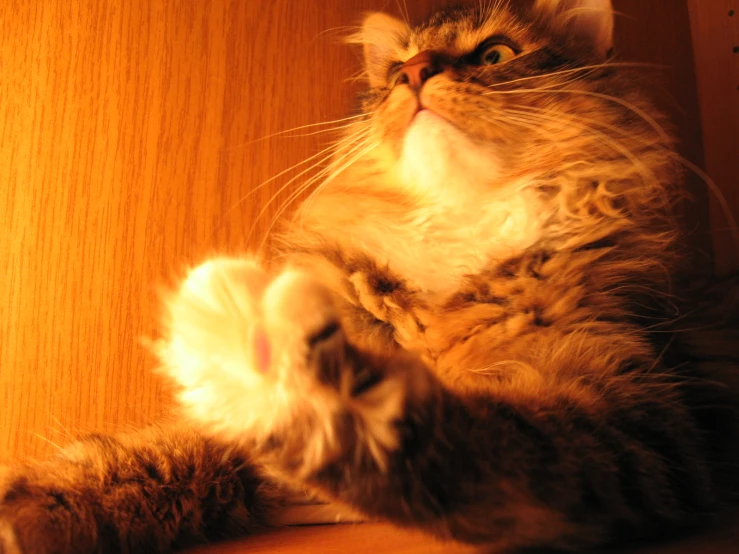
(475, 327)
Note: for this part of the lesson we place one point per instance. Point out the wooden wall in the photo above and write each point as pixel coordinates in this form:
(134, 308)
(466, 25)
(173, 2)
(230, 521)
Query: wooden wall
(715, 32)
(127, 153)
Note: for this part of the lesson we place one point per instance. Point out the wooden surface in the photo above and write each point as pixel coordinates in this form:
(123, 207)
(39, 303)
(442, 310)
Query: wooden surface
(715, 26)
(127, 153)
(362, 538)
(378, 538)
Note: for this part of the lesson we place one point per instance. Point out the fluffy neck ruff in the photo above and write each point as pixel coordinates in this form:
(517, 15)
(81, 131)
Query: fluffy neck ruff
(455, 218)
(464, 220)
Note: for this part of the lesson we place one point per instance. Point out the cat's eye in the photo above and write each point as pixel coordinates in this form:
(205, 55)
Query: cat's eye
(497, 53)
(393, 73)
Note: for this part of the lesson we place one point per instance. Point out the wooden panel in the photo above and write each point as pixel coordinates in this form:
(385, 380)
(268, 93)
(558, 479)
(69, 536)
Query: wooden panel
(658, 32)
(127, 152)
(715, 29)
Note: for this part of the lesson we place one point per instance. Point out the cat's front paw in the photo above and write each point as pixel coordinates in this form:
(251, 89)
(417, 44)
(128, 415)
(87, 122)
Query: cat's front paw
(263, 360)
(254, 353)
(9, 543)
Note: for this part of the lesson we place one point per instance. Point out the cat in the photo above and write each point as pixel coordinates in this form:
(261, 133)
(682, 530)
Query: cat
(476, 326)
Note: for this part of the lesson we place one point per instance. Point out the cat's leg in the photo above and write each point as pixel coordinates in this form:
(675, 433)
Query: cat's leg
(534, 462)
(150, 491)
(521, 469)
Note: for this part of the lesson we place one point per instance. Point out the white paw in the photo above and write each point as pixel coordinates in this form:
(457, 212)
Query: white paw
(8, 539)
(240, 346)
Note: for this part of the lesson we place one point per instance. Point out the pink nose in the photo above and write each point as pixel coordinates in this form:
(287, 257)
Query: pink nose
(419, 69)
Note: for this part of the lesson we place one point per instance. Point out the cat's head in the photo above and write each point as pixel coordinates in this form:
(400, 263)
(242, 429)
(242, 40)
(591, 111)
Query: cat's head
(497, 92)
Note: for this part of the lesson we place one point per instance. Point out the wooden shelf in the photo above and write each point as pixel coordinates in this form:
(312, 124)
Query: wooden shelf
(366, 538)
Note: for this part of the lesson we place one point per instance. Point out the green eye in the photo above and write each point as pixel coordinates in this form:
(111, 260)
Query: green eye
(497, 53)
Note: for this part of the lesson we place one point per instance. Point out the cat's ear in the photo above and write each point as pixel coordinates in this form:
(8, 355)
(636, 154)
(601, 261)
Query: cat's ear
(588, 19)
(383, 38)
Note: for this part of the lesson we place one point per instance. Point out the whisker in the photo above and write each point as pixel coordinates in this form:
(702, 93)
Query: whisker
(329, 179)
(356, 76)
(52, 443)
(638, 111)
(714, 188)
(326, 153)
(589, 68)
(294, 196)
(331, 149)
(710, 183)
(301, 127)
(647, 175)
(320, 187)
(404, 12)
(335, 172)
(65, 430)
(311, 198)
(342, 150)
(322, 131)
(340, 28)
(607, 126)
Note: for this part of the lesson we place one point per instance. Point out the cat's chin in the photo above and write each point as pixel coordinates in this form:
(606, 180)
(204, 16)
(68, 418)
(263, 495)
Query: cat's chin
(436, 155)
(428, 122)
(426, 116)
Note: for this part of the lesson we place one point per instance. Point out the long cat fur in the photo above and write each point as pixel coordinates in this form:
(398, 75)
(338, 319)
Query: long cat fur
(482, 329)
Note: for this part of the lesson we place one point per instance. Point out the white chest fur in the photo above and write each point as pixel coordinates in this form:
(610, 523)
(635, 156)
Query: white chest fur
(439, 244)
(465, 220)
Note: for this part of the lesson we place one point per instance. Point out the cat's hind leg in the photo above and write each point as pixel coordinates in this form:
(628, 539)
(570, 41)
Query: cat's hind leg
(149, 491)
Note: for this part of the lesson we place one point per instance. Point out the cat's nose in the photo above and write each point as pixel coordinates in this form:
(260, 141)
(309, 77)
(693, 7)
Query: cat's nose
(419, 69)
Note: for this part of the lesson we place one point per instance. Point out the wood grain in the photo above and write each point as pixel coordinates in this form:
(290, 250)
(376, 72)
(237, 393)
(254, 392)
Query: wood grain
(715, 31)
(657, 32)
(129, 151)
